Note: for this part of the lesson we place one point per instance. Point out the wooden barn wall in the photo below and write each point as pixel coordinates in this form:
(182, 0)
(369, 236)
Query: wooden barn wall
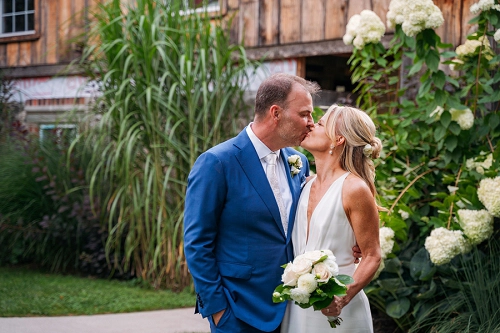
(261, 23)
(59, 22)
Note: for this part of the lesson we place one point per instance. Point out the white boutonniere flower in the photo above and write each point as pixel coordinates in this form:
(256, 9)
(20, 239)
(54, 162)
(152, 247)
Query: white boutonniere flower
(295, 163)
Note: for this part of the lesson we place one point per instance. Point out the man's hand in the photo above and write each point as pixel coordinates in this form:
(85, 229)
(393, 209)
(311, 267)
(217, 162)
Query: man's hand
(217, 316)
(356, 253)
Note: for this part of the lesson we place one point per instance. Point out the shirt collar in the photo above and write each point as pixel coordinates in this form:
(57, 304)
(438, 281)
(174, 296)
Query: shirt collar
(261, 149)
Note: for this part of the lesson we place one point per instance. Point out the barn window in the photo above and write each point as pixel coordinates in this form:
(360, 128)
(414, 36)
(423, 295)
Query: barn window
(17, 17)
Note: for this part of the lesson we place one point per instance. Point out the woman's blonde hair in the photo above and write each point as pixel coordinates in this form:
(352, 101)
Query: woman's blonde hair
(358, 130)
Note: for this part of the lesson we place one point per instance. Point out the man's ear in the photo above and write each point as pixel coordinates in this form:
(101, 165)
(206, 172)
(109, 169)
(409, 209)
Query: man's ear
(275, 112)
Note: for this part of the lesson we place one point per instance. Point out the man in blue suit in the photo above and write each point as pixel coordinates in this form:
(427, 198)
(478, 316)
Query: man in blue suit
(237, 231)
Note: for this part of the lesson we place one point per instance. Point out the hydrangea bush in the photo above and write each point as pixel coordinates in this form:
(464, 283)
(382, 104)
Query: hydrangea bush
(438, 173)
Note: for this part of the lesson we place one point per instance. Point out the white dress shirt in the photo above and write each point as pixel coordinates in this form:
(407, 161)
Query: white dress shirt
(262, 151)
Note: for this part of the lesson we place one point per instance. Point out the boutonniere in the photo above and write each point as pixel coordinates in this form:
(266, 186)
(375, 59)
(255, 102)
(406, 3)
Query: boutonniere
(295, 163)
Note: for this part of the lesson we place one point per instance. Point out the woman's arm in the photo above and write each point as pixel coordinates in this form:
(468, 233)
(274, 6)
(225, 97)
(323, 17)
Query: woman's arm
(361, 210)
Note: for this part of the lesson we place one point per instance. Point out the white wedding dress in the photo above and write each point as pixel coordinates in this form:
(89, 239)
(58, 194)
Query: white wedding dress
(329, 229)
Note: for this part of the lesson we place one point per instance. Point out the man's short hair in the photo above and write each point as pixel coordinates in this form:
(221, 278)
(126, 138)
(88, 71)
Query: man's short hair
(276, 88)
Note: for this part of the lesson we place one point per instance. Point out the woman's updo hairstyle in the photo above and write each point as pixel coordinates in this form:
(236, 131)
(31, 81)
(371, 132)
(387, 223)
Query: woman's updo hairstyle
(361, 145)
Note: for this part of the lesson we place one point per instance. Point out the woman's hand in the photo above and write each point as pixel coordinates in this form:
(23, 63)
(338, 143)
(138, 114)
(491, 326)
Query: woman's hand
(334, 309)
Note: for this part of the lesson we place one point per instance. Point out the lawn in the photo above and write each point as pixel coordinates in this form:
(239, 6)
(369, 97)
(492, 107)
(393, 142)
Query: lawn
(28, 292)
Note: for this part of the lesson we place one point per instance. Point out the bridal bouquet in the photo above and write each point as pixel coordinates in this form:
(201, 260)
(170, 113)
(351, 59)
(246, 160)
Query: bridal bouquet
(312, 279)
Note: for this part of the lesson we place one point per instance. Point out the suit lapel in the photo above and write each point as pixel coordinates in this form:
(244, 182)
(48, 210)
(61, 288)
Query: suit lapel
(294, 184)
(251, 165)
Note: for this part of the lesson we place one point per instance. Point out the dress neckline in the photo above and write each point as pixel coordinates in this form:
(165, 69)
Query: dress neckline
(308, 221)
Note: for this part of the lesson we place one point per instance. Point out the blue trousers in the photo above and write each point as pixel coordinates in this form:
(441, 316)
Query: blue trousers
(230, 324)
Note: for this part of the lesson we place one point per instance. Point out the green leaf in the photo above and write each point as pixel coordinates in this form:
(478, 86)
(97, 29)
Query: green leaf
(421, 266)
(439, 79)
(390, 285)
(455, 128)
(448, 54)
(493, 120)
(393, 80)
(396, 309)
(439, 133)
(451, 143)
(345, 279)
(429, 293)
(453, 102)
(392, 265)
(432, 60)
(445, 119)
(416, 67)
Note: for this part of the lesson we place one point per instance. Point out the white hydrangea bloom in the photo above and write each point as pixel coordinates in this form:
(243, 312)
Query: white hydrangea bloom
(350, 29)
(455, 63)
(483, 5)
(489, 195)
(471, 45)
(438, 111)
(386, 237)
(404, 214)
(396, 13)
(443, 245)
(414, 16)
(464, 118)
(496, 36)
(480, 166)
(364, 28)
(476, 224)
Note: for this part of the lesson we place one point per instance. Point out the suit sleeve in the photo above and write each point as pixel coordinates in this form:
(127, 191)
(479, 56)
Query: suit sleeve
(205, 197)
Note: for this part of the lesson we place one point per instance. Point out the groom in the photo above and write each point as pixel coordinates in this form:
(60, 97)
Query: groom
(240, 208)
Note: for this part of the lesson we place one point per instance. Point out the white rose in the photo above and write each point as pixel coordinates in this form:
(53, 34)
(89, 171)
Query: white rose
(322, 272)
(299, 295)
(314, 256)
(289, 277)
(329, 254)
(332, 266)
(302, 265)
(307, 282)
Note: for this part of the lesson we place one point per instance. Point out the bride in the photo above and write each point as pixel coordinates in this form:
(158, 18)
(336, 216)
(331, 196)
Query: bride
(336, 210)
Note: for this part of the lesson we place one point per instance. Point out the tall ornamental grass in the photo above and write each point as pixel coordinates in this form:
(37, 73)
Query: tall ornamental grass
(171, 83)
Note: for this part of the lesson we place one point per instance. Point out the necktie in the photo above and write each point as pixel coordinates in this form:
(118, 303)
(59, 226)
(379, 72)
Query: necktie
(272, 176)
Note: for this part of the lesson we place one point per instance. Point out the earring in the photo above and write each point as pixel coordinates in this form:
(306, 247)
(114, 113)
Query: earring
(331, 150)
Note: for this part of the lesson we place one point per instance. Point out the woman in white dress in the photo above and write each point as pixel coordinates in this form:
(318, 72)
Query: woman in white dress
(337, 209)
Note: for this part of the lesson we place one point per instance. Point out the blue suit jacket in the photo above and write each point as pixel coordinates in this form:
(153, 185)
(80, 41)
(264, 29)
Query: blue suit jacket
(233, 237)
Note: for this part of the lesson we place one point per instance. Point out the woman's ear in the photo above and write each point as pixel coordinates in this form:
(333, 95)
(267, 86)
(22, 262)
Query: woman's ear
(340, 140)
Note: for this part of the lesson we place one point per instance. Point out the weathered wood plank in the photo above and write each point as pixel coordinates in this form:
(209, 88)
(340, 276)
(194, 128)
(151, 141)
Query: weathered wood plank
(336, 19)
(381, 7)
(233, 4)
(290, 21)
(42, 42)
(25, 54)
(3, 55)
(269, 22)
(52, 36)
(12, 54)
(313, 20)
(249, 22)
(450, 33)
(301, 67)
(357, 6)
(66, 24)
(466, 16)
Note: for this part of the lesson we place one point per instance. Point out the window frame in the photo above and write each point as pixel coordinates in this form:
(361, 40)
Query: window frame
(23, 35)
